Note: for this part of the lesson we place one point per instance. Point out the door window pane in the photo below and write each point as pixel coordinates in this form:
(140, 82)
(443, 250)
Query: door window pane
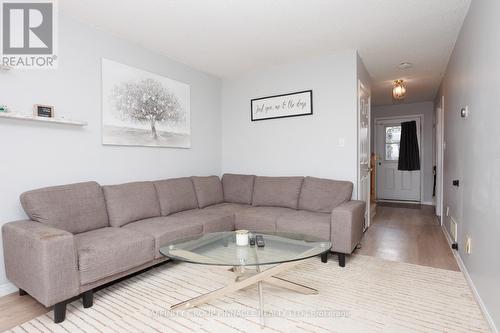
(392, 134)
(392, 139)
(392, 151)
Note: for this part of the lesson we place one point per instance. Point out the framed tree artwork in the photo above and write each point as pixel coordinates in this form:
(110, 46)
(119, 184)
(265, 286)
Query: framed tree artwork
(140, 108)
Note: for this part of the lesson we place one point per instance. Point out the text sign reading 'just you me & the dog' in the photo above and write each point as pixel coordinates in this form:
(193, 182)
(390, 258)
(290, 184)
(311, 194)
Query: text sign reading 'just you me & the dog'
(282, 106)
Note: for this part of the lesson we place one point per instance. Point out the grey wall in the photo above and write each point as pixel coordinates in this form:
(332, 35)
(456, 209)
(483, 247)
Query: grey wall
(427, 139)
(305, 145)
(472, 152)
(35, 155)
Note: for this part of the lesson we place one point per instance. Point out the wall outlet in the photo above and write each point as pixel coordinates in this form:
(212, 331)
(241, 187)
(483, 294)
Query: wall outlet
(341, 142)
(468, 245)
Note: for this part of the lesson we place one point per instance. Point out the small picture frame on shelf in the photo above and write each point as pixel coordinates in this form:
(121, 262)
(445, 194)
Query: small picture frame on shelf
(45, 111)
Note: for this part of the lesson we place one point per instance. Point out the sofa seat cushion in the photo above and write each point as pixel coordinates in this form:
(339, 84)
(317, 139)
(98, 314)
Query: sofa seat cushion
(108, 251)
(323, 195)
(176, 195)
(238, 188)
(208, 190)
(74, 208)
(277, 191)
(259, 218)
(305, 222)
(131, 202)
(227, 207)
(165, 230)
(211, 220)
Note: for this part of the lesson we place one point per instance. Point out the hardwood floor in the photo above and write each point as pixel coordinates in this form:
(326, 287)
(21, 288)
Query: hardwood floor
(15, 310)
(400, 234)
(408, 235)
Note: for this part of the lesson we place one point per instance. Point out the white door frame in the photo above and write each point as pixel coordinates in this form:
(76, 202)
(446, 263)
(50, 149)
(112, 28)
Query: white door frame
(381, 120)
(362, 88)
(439, 158)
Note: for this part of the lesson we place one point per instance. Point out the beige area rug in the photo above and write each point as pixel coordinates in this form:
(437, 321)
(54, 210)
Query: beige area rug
(368, 295)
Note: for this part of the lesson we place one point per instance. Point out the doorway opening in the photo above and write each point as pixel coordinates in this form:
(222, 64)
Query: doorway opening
(393, 185)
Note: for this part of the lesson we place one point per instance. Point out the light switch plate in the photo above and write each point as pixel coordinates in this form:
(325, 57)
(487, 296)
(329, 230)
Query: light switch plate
(468, 245)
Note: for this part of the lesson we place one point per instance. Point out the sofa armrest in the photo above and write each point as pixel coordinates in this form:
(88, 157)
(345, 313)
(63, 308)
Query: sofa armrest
(41, 260)
(347, 226)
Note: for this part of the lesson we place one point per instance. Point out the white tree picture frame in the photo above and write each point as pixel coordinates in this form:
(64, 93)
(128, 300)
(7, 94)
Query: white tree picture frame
(140, 108)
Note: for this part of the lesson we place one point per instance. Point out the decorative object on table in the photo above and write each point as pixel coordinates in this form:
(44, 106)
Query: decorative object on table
(4, 108)
(282, 106)
(241, 237)
(140, 108)
(251, 239)
(259, 239)
(45, 111)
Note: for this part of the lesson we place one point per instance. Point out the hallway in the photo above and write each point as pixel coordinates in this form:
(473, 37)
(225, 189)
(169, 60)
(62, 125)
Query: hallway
(411, 235)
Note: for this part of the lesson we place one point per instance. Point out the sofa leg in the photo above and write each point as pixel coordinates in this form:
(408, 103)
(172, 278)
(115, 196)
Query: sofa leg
(22, 292)
(341, 259)
(88, 299)
(59, 312)
(324, 257)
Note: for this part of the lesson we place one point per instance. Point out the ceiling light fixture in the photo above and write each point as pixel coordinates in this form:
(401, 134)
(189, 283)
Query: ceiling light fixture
(399, 89)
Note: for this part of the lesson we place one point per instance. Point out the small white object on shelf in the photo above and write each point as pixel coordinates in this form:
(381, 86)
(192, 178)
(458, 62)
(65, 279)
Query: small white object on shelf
(29, 117)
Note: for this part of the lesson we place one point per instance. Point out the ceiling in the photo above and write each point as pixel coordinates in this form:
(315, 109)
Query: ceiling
(230, 37)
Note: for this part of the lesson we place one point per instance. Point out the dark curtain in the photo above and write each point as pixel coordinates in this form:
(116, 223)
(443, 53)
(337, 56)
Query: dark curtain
(409, 156)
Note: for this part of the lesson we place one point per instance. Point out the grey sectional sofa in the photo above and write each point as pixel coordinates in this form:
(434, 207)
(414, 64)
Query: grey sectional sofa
(82, 236)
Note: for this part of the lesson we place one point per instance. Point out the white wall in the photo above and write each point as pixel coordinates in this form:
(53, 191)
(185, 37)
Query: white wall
(427, 140)
(362, 73)
(472, 152)
(35, 155)
(305, 145)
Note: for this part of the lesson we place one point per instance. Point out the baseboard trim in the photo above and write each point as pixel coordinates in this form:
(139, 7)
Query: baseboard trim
(7, 288)
(465, 272)
(427, 203)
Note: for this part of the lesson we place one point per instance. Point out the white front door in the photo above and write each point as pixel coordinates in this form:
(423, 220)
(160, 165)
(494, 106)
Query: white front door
(364, 149)
(394, 184)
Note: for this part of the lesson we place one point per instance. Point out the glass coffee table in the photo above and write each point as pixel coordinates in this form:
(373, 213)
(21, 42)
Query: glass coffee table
(250, 264)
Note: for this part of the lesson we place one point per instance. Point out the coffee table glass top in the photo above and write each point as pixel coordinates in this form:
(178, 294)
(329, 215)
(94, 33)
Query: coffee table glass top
(219, 248)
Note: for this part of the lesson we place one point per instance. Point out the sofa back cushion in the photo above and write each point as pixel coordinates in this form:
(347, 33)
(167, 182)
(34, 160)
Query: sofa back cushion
(208, 190)
(74, 208)
(238, 188)
(176, 195)
(131, 202)
(323, 195)
(277, 191)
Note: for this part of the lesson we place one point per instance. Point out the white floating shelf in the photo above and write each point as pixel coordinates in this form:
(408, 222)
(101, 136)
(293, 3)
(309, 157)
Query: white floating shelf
(63, 121)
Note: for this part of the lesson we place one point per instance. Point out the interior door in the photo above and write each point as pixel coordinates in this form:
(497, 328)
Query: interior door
(394, 184)
(364, 168)
(439, 158)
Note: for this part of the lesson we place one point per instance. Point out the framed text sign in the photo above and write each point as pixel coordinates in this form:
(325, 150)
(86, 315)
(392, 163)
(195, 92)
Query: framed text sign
(282, 106)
